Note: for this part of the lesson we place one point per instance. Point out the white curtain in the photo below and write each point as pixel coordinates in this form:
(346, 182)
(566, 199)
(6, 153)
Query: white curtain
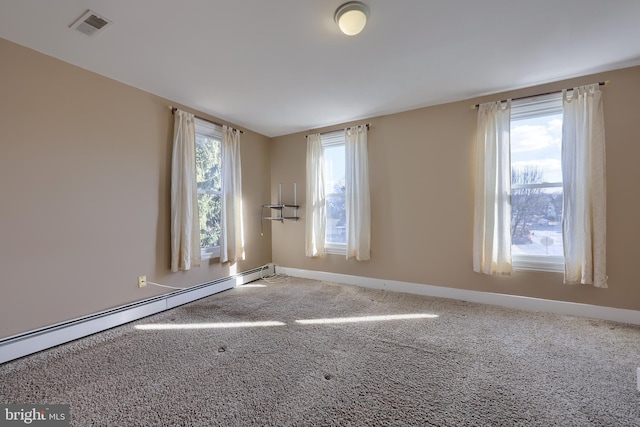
(315, 221)
(185, 225)
(584, 187)
(358, 207)
(492, 206)
(232, 233)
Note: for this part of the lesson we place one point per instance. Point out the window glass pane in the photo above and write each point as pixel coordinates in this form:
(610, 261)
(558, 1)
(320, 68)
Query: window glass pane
(336, 219)
(209, 208)
(208, 178)
(334, 188)
(208, 164)
(536, 211)
(536, 145)
(334, 181)
(536, 221)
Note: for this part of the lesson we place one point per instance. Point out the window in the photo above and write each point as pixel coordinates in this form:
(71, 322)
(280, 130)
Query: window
(546, 144)
(334, 188)
(208, 177)
(536, 183)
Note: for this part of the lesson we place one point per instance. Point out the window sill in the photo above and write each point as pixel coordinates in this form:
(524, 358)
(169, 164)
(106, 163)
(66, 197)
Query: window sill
(210, 253)
(336, 248)
(551, 264)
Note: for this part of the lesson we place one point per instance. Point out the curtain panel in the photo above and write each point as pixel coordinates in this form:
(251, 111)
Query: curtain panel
(492, 199)
(185, 226)
(358, 205)
(584, 187)
(232, 232)
(315, 221)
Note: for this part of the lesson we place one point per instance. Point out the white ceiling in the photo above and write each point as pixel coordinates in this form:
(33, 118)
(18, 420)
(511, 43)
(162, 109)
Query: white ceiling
(282, 66)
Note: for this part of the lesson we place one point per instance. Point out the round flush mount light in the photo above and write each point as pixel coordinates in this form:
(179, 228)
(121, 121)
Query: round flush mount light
(351, 17)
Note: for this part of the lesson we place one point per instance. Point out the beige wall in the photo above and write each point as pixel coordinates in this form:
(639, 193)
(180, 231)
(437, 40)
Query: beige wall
(84, 190)
(421, 166)
(84, 193)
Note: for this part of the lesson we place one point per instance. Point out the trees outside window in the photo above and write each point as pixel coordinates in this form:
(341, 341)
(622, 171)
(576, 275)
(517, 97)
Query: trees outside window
(533, 208)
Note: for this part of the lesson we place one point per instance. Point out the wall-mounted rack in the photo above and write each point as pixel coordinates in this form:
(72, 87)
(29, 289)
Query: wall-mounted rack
(281, 208)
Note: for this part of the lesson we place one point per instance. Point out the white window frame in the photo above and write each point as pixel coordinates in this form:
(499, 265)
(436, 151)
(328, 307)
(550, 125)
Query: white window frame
(538, 106)
(211, 131)
(330, 140)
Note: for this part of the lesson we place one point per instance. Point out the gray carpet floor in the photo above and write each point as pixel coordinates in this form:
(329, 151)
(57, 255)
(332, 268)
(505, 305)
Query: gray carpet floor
(209, 365)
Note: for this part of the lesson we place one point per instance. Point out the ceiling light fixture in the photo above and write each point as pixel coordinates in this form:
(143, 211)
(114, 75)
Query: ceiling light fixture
(351, 17)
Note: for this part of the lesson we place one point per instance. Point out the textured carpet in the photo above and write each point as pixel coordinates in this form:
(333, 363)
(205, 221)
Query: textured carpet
(473, 365)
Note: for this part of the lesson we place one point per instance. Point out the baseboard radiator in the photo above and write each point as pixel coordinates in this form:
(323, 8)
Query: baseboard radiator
(40, 339)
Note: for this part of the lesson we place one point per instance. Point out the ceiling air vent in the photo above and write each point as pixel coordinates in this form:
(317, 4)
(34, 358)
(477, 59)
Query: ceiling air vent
(90, 23)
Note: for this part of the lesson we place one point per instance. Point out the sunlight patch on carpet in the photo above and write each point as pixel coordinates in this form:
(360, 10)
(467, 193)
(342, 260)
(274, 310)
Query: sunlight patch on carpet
(366, 319)
(174, 326)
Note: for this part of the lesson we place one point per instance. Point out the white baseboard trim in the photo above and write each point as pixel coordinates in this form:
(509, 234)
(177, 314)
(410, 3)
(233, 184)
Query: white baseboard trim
(40, 339)
(511, 301)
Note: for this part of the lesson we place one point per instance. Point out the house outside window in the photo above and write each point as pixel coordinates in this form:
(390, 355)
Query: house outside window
(536, 183)
(209, 182)
(333, 149)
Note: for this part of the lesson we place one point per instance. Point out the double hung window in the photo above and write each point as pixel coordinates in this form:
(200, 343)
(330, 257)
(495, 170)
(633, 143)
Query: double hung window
(536, 183)
(540, 196)
(333, 150)
(209, 182)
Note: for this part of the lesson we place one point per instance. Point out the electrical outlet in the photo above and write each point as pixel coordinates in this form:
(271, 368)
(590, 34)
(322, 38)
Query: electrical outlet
(142, 281)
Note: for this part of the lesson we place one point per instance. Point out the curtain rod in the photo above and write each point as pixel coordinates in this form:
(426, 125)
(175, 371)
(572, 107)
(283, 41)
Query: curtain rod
(331, 131)
(174, 109)
(606, 82)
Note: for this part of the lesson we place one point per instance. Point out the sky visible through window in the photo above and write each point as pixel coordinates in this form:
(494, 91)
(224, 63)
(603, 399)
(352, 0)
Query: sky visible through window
(537, 143)
(334, 168)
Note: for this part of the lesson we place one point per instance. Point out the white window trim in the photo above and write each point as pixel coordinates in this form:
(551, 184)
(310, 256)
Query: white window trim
(541, 185)
(529, 108)
(211, 131)
(210, 252)
(330, 139)
(547, 263)
(336, 248)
